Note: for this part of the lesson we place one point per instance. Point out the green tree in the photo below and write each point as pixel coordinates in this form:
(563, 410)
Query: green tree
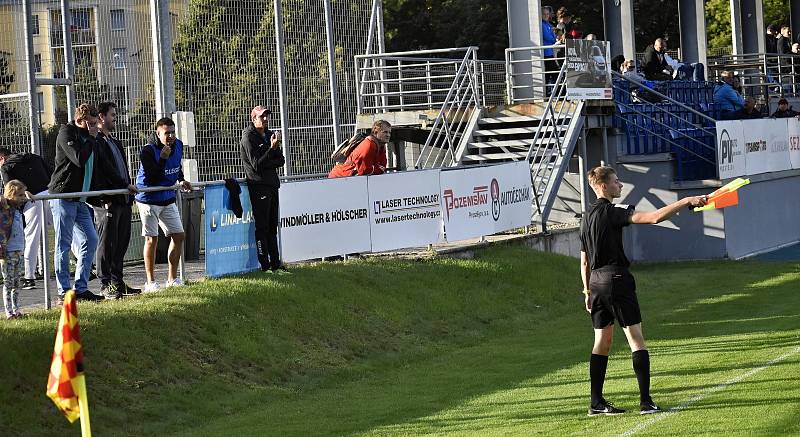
(718, 19)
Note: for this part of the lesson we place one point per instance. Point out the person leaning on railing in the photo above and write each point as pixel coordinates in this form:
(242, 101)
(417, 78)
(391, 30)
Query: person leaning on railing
(784, 110)
(369, 157)
(79, 165)
(160, 166)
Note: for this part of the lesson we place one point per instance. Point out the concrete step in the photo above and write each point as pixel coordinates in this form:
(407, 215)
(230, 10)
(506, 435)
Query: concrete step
(507, 144)
(509, 119)
(483, 157)
(517, 131)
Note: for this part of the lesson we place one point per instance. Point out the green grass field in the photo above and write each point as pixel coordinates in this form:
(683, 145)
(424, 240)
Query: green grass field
(495, 345)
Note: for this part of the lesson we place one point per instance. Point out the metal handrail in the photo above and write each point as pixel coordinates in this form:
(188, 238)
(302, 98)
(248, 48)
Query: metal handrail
(671, 100)
(443, 132)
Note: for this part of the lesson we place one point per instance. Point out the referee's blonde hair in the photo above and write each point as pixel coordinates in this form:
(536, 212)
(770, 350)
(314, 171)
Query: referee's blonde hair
(600, 175)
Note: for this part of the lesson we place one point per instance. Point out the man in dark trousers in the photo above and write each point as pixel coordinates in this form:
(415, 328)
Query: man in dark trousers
(80, 166)
(32, 171)
(112, 213)
(609, 287)
(261, 156)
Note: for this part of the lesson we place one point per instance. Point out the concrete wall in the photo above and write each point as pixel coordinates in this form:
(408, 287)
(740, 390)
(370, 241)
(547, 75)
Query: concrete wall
(688, 235)
(767, 217)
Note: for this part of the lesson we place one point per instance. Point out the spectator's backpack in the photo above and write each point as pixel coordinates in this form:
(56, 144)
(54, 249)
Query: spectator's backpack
(344, 149)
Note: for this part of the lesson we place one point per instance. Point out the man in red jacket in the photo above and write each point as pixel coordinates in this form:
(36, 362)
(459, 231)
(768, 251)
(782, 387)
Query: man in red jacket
(369, 157)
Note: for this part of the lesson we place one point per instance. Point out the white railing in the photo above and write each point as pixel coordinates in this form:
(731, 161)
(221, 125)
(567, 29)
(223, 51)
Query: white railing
(548, 147)
(530, 74)
(420, 80)
(458, 111)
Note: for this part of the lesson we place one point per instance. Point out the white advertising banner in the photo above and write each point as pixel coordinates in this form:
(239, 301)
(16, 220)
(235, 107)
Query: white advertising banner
(405, 210)
(324, 218)
(486, 200)
(730, 149)
(777, 144)
(755, 146)
(793, 126)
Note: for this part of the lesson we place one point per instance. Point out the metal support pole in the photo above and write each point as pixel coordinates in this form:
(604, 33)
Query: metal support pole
(163, 74)
(332, 72)
(382, 50)
(691, 16)
(736, 27)
(287, 168)
(45, 252)
(33, 101)
(69, 60)
(582, 171)
(181, 265)
(604, 132)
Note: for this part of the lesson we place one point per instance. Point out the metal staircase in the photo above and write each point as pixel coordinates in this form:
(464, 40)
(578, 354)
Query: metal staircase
(541, 127)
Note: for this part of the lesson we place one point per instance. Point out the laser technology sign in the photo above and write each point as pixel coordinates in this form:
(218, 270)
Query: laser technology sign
(405, 210)
(486, 200)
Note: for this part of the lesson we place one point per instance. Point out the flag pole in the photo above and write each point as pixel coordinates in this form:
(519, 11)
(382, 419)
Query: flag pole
(83, 404)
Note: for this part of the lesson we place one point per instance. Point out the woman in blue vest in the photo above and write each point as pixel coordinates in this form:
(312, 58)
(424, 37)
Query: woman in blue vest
(160, 166)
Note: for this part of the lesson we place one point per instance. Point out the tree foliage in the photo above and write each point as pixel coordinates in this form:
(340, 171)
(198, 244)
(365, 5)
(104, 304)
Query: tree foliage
(718, 19)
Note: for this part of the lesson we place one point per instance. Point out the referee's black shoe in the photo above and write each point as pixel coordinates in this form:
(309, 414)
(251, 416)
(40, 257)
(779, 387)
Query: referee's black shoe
(605, 408)
(649, 408)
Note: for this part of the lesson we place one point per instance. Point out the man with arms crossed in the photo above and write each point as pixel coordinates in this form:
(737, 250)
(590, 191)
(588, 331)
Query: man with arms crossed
(609, 288)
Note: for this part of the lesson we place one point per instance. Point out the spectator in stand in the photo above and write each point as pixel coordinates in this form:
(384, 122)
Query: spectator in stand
(629, 71)
(551, 67)
(566, 25)
(112, 213)
(771, 39)
(369, 157)
(658, 65)
(12, 243)
(31, 170)
(784, 41)
(750, 110)
(260, 149)
(160, 166)
(726, 99)
(74, 170)
(784, 110)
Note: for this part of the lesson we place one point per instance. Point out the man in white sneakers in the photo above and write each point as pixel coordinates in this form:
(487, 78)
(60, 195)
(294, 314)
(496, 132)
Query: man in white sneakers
(160, 166)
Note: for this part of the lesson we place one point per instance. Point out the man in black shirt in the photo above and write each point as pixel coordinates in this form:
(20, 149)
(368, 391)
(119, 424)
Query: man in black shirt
(260, 149)
(610, 289)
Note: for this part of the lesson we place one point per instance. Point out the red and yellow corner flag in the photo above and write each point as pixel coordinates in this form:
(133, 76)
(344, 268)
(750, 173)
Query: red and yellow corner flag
(66, 384)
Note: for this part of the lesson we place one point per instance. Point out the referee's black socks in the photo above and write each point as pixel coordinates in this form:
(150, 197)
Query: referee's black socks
(597, 375)
(641, 366)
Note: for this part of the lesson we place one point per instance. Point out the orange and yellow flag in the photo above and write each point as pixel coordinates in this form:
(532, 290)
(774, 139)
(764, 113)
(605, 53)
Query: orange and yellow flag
(65, 383)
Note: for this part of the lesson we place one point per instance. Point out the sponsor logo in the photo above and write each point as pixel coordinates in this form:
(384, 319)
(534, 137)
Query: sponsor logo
(494, 190)
(755, 146)
(479, 196)
(337, 215)
(214, 220)
(398, 204)
(794, 143)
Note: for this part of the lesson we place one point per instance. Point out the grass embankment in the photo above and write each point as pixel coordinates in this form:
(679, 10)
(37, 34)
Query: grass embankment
(494, 345)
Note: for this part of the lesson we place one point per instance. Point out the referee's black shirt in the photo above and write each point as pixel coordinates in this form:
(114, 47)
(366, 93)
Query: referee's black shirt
(601, 234)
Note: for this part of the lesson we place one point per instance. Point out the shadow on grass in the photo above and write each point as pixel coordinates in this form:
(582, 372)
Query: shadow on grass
(354, 347)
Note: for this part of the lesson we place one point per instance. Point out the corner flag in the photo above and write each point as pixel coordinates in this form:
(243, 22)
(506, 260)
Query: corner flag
(66, 384)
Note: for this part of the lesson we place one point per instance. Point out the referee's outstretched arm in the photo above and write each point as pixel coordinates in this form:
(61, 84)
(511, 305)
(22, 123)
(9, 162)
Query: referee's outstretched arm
(661, 214)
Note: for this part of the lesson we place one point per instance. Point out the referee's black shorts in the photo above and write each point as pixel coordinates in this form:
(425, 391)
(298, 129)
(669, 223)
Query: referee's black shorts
(613, 297)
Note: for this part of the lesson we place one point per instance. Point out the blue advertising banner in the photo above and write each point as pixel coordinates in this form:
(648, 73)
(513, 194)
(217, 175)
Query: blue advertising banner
(230, 241)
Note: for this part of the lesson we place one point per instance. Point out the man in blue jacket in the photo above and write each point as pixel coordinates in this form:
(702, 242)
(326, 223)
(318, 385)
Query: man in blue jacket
(727, 99)
(160, 166)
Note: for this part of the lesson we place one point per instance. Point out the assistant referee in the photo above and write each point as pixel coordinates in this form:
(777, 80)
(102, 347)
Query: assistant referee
(609, 287)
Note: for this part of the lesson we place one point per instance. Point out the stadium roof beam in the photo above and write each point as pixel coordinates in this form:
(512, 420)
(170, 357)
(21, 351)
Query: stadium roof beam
(747, 25)
(692, 18)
